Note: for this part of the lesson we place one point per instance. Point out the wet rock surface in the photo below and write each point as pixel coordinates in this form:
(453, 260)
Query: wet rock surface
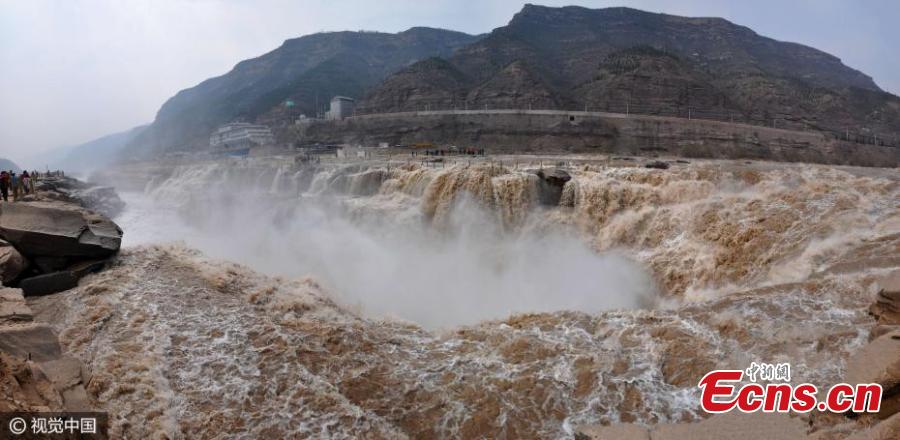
(552, 182)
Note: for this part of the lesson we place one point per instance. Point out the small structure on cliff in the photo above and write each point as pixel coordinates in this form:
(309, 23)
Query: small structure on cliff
(341, 107)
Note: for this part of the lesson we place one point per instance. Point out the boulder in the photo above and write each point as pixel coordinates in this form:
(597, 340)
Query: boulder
(12, 307)
(31, 340)
(555, 176)
(879, 362)
(52, 229)
(69, 376)
(886, 308)
(12, 263)
(551, 185)
(49, 283)
(61, 280)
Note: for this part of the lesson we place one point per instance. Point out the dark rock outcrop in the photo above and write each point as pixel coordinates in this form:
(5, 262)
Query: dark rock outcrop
(49, 283)
(47, 229)
(551, 185)
(58, 281)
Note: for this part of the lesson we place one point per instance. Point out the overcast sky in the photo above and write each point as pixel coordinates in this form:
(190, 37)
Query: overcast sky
(72, 71)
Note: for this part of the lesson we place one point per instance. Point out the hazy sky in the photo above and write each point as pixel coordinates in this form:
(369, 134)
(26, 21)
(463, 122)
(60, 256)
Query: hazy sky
(71, 71)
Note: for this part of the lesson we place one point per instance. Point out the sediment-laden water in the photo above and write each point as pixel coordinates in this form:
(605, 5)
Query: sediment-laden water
(404, 300)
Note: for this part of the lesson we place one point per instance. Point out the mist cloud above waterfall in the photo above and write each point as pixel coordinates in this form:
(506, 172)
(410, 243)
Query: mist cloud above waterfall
(392, 266)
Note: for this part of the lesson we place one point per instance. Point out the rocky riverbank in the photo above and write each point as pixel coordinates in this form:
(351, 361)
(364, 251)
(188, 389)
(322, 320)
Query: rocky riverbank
(48, 241)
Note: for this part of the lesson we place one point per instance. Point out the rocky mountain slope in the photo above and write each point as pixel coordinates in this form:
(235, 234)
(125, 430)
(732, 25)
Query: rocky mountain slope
(574, 58)
(304, 70)
(621, 59)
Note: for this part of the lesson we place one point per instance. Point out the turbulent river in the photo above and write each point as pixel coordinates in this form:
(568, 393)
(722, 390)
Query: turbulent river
(260, 298)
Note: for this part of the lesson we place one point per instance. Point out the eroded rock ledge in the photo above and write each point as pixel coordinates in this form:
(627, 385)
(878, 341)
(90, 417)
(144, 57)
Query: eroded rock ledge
(48, 241)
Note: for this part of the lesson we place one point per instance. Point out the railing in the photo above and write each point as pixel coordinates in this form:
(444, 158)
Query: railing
(858, 135)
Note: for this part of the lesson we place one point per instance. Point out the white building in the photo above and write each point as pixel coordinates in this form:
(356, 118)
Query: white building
(341, 107)
(237, 135)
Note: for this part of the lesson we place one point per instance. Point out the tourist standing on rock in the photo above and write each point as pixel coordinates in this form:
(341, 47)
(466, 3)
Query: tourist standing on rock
(26, 181)
(14, 181)
(4, 185)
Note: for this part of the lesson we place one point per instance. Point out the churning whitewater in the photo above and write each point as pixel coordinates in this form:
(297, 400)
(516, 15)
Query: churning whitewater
(262, 298)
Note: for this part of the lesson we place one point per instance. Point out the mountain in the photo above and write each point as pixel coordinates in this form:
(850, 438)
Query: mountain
(298, 77)
(572, 58)
(7, 165)
(622, 59)
(89, 156)
(431, 79)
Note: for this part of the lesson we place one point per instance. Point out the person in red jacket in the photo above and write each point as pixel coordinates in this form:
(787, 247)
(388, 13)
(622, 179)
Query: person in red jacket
(4, 185)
